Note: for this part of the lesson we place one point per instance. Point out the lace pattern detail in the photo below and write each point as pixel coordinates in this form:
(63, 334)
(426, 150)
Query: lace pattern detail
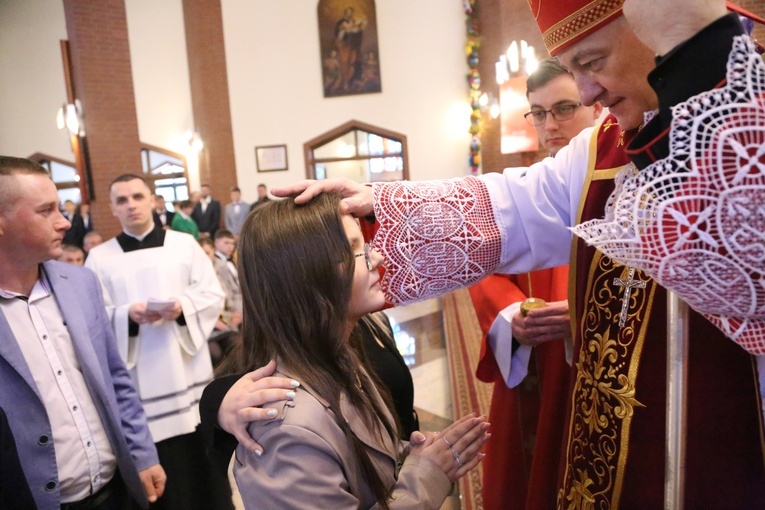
(695, 221)
(437, 236)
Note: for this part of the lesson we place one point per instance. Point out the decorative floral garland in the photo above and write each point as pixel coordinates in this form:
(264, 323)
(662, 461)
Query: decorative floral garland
(474, 79)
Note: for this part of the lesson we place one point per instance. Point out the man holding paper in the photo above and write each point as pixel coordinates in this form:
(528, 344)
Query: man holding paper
(163, 298)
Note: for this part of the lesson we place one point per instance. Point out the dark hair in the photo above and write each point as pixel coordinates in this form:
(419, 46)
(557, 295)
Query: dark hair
(296, 271)
(183, 204)
(16, 166)
(548, 69)
(235, 188)
(128, 178)
(222, 232)
(206, 241)
(261, 185)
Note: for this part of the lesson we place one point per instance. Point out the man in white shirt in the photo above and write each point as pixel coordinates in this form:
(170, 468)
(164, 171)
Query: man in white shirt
(79, 426)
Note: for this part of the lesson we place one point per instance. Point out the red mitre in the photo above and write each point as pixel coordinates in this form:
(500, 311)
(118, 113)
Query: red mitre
(564, 22)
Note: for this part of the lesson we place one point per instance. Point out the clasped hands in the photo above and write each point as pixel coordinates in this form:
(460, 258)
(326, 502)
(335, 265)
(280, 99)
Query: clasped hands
(456, 449)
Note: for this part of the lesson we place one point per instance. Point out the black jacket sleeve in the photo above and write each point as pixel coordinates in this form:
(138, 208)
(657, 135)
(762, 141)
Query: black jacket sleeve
(220, 445)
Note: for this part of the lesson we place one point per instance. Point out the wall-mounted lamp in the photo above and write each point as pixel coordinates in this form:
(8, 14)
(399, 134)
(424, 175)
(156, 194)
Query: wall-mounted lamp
(488, 101)
(517, 55)
(194, 139)
(69, 116)
(495, 109)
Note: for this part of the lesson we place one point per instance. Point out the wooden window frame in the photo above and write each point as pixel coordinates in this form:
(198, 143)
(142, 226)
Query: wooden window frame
(353, 125)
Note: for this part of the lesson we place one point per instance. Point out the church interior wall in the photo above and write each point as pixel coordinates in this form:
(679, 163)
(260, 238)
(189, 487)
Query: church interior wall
(161, 75)
(275, 83)
(32, 86)
(274, 75)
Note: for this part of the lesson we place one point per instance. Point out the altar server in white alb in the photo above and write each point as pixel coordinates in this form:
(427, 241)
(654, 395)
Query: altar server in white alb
(163, 298)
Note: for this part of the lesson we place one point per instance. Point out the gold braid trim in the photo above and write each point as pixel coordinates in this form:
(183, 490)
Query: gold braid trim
(583, 20)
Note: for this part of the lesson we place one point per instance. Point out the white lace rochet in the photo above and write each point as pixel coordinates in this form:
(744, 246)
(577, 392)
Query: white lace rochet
(695, 221)
(437, 236)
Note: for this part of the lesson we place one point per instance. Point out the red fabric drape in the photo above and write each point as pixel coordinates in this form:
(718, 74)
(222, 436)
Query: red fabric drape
(522, 456)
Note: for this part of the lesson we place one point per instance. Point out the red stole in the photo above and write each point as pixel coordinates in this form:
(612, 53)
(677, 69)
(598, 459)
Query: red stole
(522, 456)
(615, 426)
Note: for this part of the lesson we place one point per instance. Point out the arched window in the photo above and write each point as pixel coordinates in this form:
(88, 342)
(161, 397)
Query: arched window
(64, 175)
(165, 171)
(357, 151)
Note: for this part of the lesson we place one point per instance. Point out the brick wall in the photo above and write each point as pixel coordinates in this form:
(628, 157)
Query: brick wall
(501, 22)
(103, 80)
(209, 94)
(756, 7)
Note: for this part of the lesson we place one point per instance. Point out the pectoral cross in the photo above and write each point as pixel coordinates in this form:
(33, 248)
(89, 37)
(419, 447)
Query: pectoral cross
(628, 284)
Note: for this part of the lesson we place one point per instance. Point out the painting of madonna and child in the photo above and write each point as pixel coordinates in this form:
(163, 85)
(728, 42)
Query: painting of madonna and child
(349, 49)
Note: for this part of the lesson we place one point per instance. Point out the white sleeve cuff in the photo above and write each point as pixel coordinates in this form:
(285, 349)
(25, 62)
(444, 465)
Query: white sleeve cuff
(514, 367)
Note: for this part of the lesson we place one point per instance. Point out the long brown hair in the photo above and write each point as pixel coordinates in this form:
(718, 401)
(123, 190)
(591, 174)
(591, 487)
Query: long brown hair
(296, 271)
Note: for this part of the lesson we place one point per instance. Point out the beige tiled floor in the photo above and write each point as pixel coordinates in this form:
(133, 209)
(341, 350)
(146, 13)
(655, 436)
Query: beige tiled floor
(421, 339)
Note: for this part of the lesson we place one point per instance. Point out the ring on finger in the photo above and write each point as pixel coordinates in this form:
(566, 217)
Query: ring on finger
(454, 452)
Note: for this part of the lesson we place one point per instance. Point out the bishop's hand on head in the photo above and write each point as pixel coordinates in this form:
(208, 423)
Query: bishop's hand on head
(357, 198)
(663, 24)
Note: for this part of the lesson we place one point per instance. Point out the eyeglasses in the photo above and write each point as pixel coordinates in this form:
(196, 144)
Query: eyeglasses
(560, 112)
(366, 255)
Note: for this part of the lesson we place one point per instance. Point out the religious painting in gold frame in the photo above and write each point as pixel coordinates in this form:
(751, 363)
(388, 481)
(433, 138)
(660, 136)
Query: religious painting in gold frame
(350, 55)
(517, 134)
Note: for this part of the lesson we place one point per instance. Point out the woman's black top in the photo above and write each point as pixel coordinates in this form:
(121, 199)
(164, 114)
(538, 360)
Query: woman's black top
(389, 366)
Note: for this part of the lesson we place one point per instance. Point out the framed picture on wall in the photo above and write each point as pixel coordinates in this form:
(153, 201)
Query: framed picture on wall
(271, 158)
(350, 55)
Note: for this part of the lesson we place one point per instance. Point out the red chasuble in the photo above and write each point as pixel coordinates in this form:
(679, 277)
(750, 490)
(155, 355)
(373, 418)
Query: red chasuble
(522, 456)
(614, 433)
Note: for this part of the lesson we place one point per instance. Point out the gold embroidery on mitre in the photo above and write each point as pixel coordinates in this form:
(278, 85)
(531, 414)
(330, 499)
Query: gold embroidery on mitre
(604, 396)
(539, 7)
(579, 22)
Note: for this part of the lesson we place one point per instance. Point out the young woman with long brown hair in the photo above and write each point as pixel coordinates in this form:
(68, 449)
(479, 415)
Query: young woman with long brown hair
(307, 277)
